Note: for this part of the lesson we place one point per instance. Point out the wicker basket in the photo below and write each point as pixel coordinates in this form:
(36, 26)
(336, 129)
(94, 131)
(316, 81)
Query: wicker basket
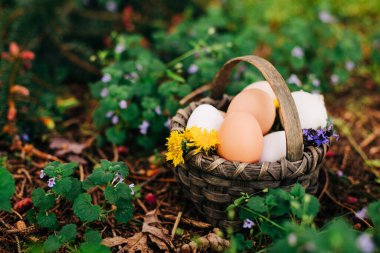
(212, 183)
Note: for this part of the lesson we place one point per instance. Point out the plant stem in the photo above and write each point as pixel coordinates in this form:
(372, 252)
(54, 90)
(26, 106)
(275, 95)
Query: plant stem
(265, 218)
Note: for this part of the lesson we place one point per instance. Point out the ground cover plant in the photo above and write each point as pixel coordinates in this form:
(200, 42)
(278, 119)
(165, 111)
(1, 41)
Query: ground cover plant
(87, 90)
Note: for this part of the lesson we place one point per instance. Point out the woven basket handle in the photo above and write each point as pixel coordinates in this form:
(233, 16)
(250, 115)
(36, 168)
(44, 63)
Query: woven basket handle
(288, 111)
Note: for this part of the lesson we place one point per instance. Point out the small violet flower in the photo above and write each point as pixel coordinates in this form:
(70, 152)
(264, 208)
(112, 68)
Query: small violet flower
(248, 223)
(297, 52)
(158, 110)
(42, 174)
(339, 173)
(144, 126)
(294, 79)
(326, 17)
(106, 78)
(109, 114)
(365, 243)
(119, 48)
(117, 179)
(51, 182)
(123, 104)
(115, 119)
(350, 65)
(104, 92)
(362, 213)
(192, 69)
(316, 82)
(168, 123)
(111, 6)
(334, 78)
(131, 186)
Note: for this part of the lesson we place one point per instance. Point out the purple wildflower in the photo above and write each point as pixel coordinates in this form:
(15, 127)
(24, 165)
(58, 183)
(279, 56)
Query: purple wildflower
(25, 137)
(326, 17)
(362, 213)
(158, 110)
(334, 78)
(131, 76)
(106, 78)
(42, 174)
(365, 243)
(316, 82)
(294, 79)
(297, 52)
(104, 92)
(168, 123)
(312, 137)
(248, 223)
(119, 48)
(51, 182)
(144, 126)
(192, 69)
(117, 179)
(123, 104)
(111, 6)
(115, 119)
(109, 114)
(339, 173)
(131, 186)
(350, 65)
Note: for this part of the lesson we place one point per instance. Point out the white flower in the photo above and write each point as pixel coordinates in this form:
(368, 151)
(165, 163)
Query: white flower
(192, 69)
(297, 52)
(168, 123)
(123, 104)
(131, 186)
(326, 17)
(316, 82)
(292, 239)
(158, 110)
(365, 243)
(294, 79)
(248, 223)
(362, 213)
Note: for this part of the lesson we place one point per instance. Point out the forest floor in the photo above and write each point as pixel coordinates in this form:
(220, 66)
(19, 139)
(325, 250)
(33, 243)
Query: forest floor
(347, 182)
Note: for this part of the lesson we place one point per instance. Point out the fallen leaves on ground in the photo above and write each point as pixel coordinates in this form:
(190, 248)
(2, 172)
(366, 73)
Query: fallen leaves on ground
(151, 230)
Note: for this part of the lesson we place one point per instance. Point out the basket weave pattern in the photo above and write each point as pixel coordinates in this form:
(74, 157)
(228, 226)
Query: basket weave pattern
(212, 183)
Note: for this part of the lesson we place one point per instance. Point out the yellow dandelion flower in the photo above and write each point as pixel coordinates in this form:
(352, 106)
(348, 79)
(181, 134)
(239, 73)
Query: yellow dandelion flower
(201, 139)
(174, 144)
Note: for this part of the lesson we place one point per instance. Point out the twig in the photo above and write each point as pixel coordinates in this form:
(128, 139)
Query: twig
(195, 93)
(18, 244)
(348, 208)
(17, 213)
(32, 151)
(176, 224)
(327, 179)
(141, 204)
(370, 138)
(115, 153)
(81, 173)
(148, 179)
(190, 222)
(26, 174)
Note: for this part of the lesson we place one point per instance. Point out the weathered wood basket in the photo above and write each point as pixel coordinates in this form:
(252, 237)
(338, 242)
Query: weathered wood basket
(212, 183)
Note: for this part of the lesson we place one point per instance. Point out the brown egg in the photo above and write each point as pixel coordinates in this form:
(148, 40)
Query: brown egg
(258, 103)
(240, 138)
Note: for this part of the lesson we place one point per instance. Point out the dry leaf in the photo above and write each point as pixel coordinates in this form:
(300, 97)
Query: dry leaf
(77, 159)
(20, 90)
(65, 146)
(114, 241)
(137, 243)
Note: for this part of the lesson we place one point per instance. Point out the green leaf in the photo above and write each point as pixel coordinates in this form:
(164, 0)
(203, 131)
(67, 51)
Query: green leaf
(257, 204)
(374, 213)
(84, 209)
(124, 211)
(68, 233)
(278, 201)
(76, 189)
(87, 247)
(92, 236)
(98, 177)
(113, 194)
(47, 220)
(7, 189)
(298, 191)
(175, 76)
(67, 169)
(115, 167)
(50, 169)
(63, 186)
(52, 244)
(41, 200)
(116, 135)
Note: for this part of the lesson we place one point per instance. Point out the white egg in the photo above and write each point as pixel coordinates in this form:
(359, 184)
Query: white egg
(311, 109)
(205, 116)
(274, 147)
(264, 86)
